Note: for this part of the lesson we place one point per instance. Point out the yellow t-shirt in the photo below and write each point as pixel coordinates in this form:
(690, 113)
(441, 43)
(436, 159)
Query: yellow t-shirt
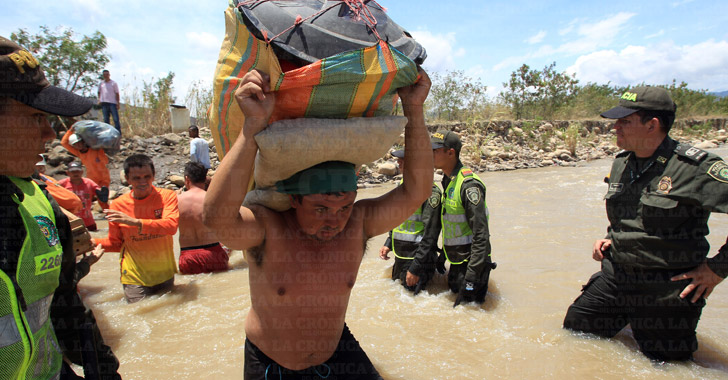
(147, 257)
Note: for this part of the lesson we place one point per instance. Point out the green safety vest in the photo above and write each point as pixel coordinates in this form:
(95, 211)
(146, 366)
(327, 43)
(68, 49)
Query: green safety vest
(455, 228)
(28, 346)
(411, 231)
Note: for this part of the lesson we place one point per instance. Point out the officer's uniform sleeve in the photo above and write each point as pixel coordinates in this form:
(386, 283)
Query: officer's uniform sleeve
(388, 242)
(711, 190)
(426, 254)
(472, 194)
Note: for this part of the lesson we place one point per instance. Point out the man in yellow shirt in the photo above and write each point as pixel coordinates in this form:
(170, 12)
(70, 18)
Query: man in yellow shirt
(141, 226)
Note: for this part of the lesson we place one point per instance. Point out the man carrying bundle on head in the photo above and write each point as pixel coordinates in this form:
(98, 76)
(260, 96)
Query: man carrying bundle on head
(304, 261)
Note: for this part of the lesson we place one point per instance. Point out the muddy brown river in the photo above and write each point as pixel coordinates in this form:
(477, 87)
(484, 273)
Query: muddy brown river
(543, 223)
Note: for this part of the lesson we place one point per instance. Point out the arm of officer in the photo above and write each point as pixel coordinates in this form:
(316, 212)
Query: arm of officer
(711, 191)
(237, 227)
(386, 248)
(426, 254)
(473, 198)
(388, 211)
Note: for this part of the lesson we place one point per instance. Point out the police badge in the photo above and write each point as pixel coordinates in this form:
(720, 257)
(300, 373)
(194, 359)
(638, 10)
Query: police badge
(665, 185)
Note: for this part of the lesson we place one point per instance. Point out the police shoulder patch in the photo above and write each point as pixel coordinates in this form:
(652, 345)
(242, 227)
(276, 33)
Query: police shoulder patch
(690, 152)
(434, 200)
(719, 171)
(473, 195)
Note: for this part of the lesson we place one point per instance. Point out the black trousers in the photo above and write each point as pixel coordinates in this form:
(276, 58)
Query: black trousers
(663, 324)
(349, 361)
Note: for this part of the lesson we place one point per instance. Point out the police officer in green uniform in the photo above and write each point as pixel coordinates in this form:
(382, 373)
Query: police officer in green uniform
(41, 315)
(414, 242)
(654, 272)
(464, 220)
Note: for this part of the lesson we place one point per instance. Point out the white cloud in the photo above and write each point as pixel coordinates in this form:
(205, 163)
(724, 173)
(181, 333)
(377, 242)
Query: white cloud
(203, 42)
(701, 66)
(90, 10)
(536, 38)
(441, 50)
(590, 37)
(655, 35)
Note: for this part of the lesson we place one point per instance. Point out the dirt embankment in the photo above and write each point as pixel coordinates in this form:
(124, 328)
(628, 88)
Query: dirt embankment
(487, 146)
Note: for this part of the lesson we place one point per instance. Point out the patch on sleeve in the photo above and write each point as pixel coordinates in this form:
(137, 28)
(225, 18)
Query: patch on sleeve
(719, 171)
(434, 200)
(473, 194)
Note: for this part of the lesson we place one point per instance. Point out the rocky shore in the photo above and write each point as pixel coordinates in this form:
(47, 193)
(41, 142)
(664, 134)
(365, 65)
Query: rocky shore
(487, 146)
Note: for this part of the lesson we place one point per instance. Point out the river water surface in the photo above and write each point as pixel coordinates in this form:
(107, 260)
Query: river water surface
(543, 223)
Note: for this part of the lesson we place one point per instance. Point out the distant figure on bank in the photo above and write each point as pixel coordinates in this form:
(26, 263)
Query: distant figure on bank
(84, 188)
(65, 198)
(200, 251)
(199, 148)
(414, 242)
(95, 161)
(109, 99)
(142, 224)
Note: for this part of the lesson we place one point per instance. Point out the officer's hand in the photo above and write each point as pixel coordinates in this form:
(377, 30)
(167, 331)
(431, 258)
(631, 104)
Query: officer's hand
(103, 194)
(93, 256)
(600, 246)
(704, 281)
(384, 253)
(466, 293)
(412, 279)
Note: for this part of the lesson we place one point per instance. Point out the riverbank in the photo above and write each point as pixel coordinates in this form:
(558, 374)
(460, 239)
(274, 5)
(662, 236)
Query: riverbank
(487, 146)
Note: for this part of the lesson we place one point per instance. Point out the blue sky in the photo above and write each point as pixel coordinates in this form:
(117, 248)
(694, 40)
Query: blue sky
(620, 42)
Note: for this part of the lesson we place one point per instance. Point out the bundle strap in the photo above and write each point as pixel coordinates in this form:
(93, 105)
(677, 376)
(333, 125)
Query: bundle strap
(358, 7)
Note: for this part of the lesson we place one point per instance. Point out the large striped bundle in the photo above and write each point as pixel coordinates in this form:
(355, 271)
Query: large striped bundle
(359, 83)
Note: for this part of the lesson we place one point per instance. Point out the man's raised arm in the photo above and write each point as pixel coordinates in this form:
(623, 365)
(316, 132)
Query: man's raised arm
(390, 210)
(236, 226)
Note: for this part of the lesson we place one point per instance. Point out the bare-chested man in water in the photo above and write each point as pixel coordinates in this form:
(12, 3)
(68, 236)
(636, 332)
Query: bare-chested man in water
(304, 261)
(200, 251)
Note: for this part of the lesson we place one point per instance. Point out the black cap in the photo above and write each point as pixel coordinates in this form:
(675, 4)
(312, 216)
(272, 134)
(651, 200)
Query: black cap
(74, 165)
(23, 80)
(648, 98)
(448, 139)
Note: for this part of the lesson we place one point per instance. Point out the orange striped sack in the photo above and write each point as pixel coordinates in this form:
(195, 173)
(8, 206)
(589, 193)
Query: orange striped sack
(358, 83)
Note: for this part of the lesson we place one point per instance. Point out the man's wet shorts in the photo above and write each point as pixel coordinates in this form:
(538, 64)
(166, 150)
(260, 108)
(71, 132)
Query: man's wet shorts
(203, 259)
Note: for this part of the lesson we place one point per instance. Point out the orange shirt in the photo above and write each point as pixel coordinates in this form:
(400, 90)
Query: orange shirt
(95, 161)
(65, 198)
(147, 256)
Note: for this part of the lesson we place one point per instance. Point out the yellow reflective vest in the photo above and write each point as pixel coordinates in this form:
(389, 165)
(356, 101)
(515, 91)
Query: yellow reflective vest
(28, 345)
(455, 228)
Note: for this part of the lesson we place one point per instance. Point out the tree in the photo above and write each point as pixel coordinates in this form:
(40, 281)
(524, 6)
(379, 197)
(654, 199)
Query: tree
(456, 95)
(521, 90)
(532, 93)
(74, 65)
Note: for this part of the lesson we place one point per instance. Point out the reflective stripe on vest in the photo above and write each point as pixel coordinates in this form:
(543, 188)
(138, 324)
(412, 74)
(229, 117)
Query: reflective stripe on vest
(455, 228)
(411, 230)
(28, 346)
(36, 315)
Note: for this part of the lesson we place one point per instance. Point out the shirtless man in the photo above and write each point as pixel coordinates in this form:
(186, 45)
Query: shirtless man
(200, 252)
(304, 261)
